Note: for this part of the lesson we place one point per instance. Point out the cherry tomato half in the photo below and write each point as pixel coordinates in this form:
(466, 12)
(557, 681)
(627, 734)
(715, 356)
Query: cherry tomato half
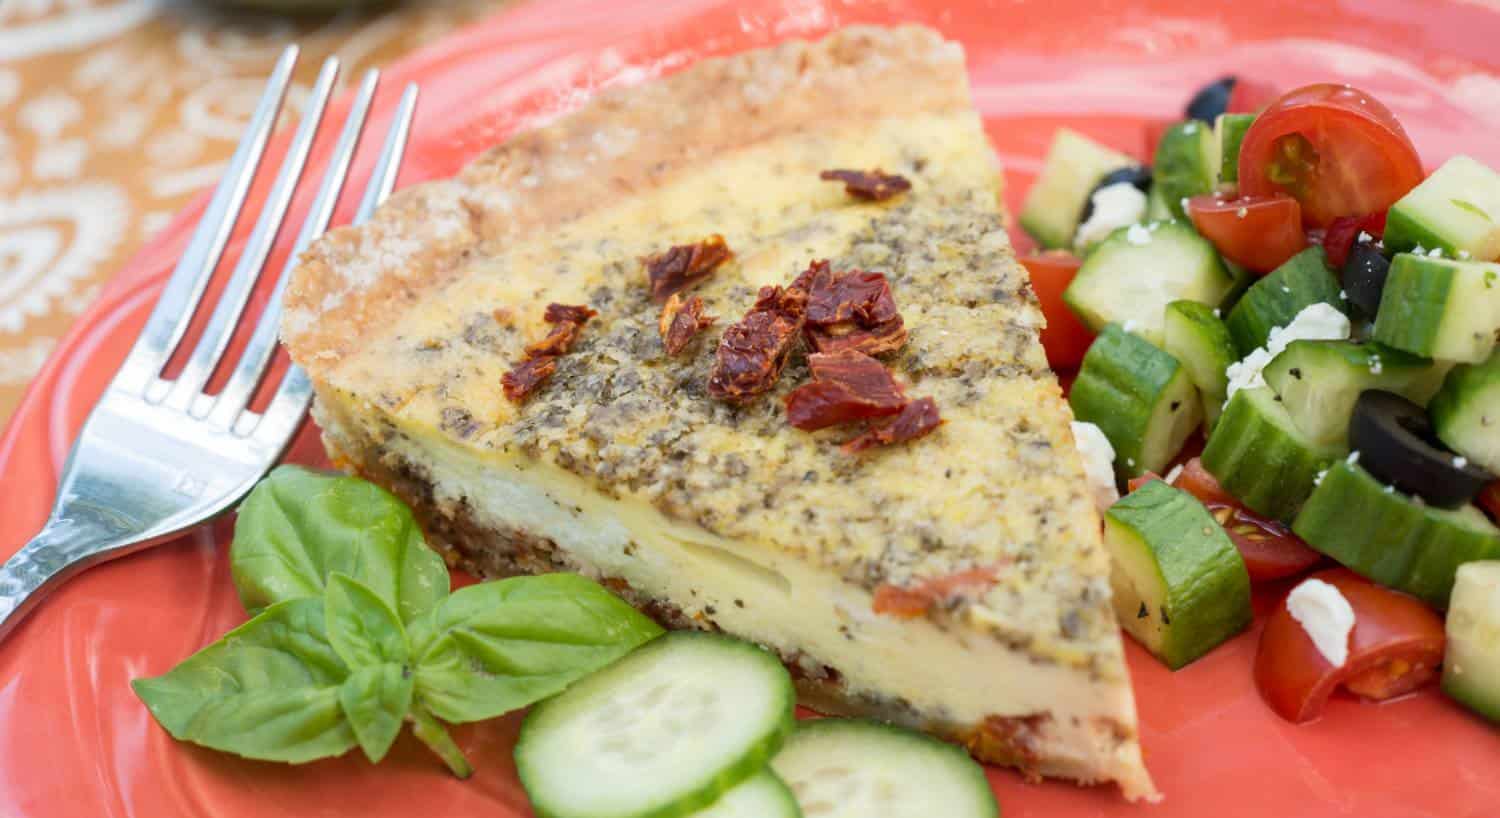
(1065, 338)
(1269, 548)
(1395, 647)
(1333, 148)
(1341, 234)
(1259, 232)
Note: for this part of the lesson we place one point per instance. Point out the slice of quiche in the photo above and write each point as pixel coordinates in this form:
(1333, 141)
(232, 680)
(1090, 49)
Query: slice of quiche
(956, 582)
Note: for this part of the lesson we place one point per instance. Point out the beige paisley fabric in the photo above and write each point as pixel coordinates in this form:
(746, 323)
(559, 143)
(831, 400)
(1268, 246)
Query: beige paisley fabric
(114, 112)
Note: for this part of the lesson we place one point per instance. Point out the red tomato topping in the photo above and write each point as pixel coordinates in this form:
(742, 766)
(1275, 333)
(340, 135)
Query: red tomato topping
(1333, 148)
(1489, 500)
(1270, 549)
(1340, 236)
(1395, 647)
(1249, 96)
(1065, 338)
(1259, 232)
(906, 603)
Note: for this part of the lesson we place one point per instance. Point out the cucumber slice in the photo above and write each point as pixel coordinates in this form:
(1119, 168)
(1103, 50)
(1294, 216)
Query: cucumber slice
(1140, 397)
(1180, 585)
(1186, 164)
(1196, 337)
(1135, 273)
(845, 768)
(1319, 381)
(1392, 538)
(1457, 209)
(1073, 167)
(1471, 662)
(1156, 206)
(1275, 300)
(763, 795)
(1466, 412)
(1230, 130)
(663, 732)
(1260, 456)
(1440, 308)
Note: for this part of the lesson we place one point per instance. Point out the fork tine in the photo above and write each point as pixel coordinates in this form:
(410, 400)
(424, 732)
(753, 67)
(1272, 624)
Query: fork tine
(226, 315)
(295, 391)
(252, 364)
(174, 309)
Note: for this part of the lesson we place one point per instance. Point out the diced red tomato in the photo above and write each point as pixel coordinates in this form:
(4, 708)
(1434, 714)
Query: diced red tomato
(1269, 548)
(1065, 338)
(1136, 482)
(1249, 96)
(1341, 234)
(1259, 232)
(1395, 647)
(1333, 148)
(1489, 500)
(913, 601)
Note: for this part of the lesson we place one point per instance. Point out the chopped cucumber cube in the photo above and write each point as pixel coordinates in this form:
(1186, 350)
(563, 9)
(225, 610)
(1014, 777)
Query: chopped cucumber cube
(1074, 165)
(1230, 130)
(1471, 664)
(1456, 209)
(1319, 381)
(1275, 300)
(1259, 455)
(1199, 340)
(1186, 164)
(1139, 396)
(1440, 308)
(1466, 412)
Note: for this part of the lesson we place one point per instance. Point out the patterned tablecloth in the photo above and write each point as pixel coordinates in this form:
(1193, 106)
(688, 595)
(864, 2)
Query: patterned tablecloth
(114, 112)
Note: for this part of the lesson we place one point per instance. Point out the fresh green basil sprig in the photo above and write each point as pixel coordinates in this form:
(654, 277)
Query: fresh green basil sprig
(355, 632)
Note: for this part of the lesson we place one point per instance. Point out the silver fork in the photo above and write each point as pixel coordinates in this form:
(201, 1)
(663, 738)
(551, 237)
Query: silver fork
(157, 457)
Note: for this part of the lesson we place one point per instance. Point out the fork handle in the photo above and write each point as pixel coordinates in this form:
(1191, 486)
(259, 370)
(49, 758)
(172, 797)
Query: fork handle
(58, 551)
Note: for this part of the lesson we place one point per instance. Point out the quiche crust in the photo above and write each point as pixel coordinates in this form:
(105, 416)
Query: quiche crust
(722, 516)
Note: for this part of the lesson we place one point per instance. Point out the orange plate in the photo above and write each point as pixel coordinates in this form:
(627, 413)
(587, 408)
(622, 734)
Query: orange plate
(74, 741)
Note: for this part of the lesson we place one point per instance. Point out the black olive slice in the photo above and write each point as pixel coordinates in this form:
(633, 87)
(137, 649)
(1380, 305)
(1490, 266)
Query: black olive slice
(1396, 444)
(1211, 100)
(1137, 176)
(1364, 276)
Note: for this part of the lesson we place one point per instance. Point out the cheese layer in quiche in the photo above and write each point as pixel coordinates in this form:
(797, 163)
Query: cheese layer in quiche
(714, 515)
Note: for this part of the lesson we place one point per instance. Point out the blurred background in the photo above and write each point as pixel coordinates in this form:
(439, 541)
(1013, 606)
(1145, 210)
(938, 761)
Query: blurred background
(113, 113)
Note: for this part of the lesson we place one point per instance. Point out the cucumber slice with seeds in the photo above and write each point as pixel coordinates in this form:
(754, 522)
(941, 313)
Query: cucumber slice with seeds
(1139, 396)
(1440, 308)
(1319, 381)
(1260, 456)
(1275, 300)
(764, 795)
(1391, 538)
(663, 732)
(1466, 412)
(1180, 585)
(1196, 337)
(846, 768)
(1471, 663)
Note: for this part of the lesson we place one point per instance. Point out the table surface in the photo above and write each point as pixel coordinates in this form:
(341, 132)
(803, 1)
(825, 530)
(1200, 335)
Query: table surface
(113, 113)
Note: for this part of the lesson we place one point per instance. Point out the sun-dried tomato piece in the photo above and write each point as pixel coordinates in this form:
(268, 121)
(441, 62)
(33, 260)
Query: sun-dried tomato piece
(681, 322)
(851, 310)
(524, 378)
(875, 185)
(754, 350)
(684, 265)
(557, 342)
(821, 404)
(916, 419)
(880, 340)
(560, 313)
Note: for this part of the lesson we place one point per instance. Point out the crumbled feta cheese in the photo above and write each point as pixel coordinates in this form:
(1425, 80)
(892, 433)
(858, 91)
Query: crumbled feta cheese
(1098, 463)
(1318, 480)
(1436, 252)
(1191, 127)
(1285, 288)
(1184, 202)
(1463, 255)
(1174, 473)
(1376, 366)
(1390, 489)
(1138, 235)
(1365, 237)
(1353, 457)
(1419, 250)
(1130, 461)
(1326, 616)
(1316, 322)
(1460, 462)
(1217, 312)
(1343, 295)
(1242, 213)
(1130, 325)
(1115, 206)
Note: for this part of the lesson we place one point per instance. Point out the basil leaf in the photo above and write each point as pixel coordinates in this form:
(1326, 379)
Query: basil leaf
(363, 629)
(376, 699)
(298, 526)
(498, 646)
(267, 690)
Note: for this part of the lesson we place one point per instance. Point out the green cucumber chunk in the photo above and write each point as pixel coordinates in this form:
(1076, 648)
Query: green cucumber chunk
(1133, 275)
(1196, 337)
(1319, 381)
(1391, 538)
(763, 795)
(1259, 455)
(1466, 412)
(1156, 206)
(1456, 209)
(1186, 164)
(1230, 131)
(1139, 396)
(1275, 300)
(1074, 165)
(851, 768)
(663, 732)
(1440, 308)
(1471, 662)
(1180, 585)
